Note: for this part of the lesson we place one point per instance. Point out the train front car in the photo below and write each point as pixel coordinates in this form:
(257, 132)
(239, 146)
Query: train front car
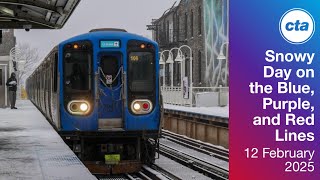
(109, 103)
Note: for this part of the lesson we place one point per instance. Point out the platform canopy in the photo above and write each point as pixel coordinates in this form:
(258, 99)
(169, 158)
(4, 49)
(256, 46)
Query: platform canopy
(35, 14)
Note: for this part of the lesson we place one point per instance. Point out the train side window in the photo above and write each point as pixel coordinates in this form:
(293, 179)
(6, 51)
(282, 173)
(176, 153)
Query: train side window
(55, 75)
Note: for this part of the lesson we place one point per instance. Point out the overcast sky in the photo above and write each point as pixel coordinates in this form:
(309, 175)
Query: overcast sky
(132, 15)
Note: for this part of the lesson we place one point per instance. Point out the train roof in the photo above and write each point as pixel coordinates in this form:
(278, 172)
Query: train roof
(97, 34)
(109, 33)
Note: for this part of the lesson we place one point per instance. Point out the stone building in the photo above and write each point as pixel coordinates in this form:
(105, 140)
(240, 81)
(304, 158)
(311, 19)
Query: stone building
(7, 42)
(202, 25)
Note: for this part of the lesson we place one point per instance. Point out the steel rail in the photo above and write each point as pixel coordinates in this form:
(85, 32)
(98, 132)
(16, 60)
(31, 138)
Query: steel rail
(196, 145)
(161, 173)
(208, 169)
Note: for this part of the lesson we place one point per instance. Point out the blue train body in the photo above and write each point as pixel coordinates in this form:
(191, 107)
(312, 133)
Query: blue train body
(131, 122)
(101, 89)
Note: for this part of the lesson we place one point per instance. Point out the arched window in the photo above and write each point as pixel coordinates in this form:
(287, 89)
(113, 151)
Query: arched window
(186, 26)
(191, 19)
(199, 66)
(200, 20)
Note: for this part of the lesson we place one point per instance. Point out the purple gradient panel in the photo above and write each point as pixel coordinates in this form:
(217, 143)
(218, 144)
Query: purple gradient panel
(253, 30)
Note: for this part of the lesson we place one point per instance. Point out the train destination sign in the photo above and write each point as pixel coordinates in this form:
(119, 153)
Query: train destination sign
(109, 44)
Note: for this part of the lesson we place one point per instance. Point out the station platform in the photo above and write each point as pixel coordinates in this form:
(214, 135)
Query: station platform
(31, 149)
(207, 124)
(213, 112)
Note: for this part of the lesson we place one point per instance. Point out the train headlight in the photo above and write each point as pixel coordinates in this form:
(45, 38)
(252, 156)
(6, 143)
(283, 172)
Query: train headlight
(84, 107)
(136, 106)
(79, 107)
(141, 106)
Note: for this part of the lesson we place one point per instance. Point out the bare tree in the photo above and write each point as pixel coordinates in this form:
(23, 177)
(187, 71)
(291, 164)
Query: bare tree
(27, 58)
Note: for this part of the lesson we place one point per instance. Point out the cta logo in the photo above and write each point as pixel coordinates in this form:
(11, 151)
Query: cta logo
(297, 26)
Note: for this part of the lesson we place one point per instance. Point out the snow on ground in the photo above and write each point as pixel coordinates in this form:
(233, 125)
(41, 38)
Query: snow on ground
(209, 111)
(31, 149)
(179, 170)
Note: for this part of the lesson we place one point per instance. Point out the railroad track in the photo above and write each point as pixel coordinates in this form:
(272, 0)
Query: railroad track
(153, 172)
(132, 176)
(213, 151)
(138, 176)
(211, 170)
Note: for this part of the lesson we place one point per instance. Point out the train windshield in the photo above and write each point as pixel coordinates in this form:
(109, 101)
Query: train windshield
(141, 69)
(77, 74)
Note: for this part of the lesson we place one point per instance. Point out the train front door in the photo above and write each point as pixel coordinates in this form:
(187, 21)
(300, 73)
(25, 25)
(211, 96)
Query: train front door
(3, 92)
(110, 89)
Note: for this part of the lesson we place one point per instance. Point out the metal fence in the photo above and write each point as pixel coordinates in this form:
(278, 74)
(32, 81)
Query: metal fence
(196, 96)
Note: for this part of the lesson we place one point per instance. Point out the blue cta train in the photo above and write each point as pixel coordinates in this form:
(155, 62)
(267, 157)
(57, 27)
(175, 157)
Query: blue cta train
(100, 91)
